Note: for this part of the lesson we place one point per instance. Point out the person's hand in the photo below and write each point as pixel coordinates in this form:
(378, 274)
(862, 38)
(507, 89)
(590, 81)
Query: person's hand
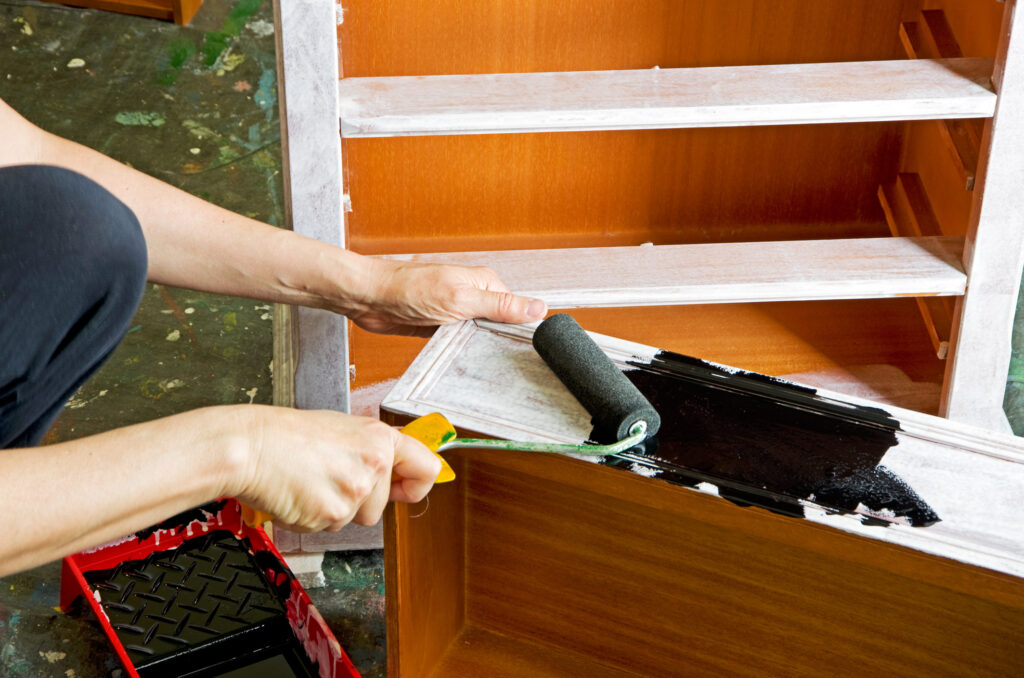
(319, 470)
(412, 299)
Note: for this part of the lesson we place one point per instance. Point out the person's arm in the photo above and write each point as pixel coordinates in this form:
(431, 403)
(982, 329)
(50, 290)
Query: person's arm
(195, 244)
(314, 470)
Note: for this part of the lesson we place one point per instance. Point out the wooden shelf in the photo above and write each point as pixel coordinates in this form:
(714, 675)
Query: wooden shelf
(803, 270)
(934, 35)
(862, 91)
(909, 213)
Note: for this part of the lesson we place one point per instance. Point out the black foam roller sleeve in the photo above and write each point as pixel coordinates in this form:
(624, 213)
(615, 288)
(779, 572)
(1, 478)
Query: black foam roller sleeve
(612, 400)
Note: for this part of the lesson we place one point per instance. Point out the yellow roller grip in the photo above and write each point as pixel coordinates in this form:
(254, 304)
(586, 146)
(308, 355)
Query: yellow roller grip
(254, 517)
(433, 430)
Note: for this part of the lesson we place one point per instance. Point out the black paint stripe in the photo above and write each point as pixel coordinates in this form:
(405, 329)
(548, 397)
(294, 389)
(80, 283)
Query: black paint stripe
(769, 443)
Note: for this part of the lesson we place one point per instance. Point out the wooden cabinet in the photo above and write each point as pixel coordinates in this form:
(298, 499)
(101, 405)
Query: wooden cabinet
(720, 178)
(485, 127)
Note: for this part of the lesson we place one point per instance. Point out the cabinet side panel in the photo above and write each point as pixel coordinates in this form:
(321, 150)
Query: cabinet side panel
(424, 575)
(676, 583)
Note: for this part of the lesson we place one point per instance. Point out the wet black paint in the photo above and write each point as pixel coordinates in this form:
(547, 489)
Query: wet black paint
(199, 610)
(765, 442)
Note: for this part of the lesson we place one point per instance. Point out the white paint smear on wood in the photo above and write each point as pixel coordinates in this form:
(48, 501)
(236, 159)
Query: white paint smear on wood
(485, 377)
(665, 98)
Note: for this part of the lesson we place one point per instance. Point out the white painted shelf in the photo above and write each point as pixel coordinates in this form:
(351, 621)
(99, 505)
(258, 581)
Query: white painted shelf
(648, 275)
(655, 98)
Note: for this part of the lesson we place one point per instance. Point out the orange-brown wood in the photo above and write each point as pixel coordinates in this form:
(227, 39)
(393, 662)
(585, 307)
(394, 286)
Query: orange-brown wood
(184, 10)
(179, 11)
(909, 213)
(934, 37)
(406, 37)
(949, 28)
(615, 188)
(425, 587)
(545, 566)
(926, 154)
(586, 565)
(974, 25)
(618, 188)
(558, 190)
(772, 338)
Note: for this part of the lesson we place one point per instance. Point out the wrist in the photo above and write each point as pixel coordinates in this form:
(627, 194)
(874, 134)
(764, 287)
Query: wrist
(230, 450)
(318, 275)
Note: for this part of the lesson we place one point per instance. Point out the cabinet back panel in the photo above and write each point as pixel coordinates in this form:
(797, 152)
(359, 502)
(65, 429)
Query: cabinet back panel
(436, 194)
(928, 155)
(617, 188)
(411, 37)
(975, 25)
(772, 338)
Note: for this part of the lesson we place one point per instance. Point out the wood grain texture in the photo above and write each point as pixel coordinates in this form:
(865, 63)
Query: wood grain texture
(937, 39)
(573, 569)
(529, 36)
(587, 189)
(475, 651)
(994, 251)
(725, 273)
(565, 554)
(974, 25)
(926, 154)
(578, 563)
(666, 98)
(623, 188)
(971, 29)
(425, 601)
(307, 70)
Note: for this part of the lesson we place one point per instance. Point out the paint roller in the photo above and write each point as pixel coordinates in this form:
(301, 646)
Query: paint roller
(619, 412)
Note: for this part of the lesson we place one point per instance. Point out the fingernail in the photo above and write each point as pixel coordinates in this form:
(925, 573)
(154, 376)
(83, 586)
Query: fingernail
(536, 309)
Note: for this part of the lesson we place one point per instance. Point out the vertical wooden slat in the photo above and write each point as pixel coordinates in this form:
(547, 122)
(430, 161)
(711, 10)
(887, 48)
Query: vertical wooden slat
(994, 250)
(313, 188)
(933, 36)
(909, 213)
(307, 68)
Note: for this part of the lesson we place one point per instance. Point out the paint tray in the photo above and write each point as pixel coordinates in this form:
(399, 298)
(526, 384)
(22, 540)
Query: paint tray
(203, 595)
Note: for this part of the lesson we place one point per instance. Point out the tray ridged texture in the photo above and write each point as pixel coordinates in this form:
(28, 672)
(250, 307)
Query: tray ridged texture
(173, 602)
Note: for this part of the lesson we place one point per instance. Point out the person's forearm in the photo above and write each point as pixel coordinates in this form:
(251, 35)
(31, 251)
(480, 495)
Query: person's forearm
(62, 498)
(195, 244)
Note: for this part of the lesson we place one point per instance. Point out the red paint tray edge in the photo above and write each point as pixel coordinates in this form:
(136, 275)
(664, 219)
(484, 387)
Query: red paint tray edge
(308, 626)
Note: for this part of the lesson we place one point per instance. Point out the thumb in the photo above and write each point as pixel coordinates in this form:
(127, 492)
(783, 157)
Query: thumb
(505, 307)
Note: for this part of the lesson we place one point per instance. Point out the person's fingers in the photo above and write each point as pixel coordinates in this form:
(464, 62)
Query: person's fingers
(372, 509)
(416, 469)
(502, 307)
